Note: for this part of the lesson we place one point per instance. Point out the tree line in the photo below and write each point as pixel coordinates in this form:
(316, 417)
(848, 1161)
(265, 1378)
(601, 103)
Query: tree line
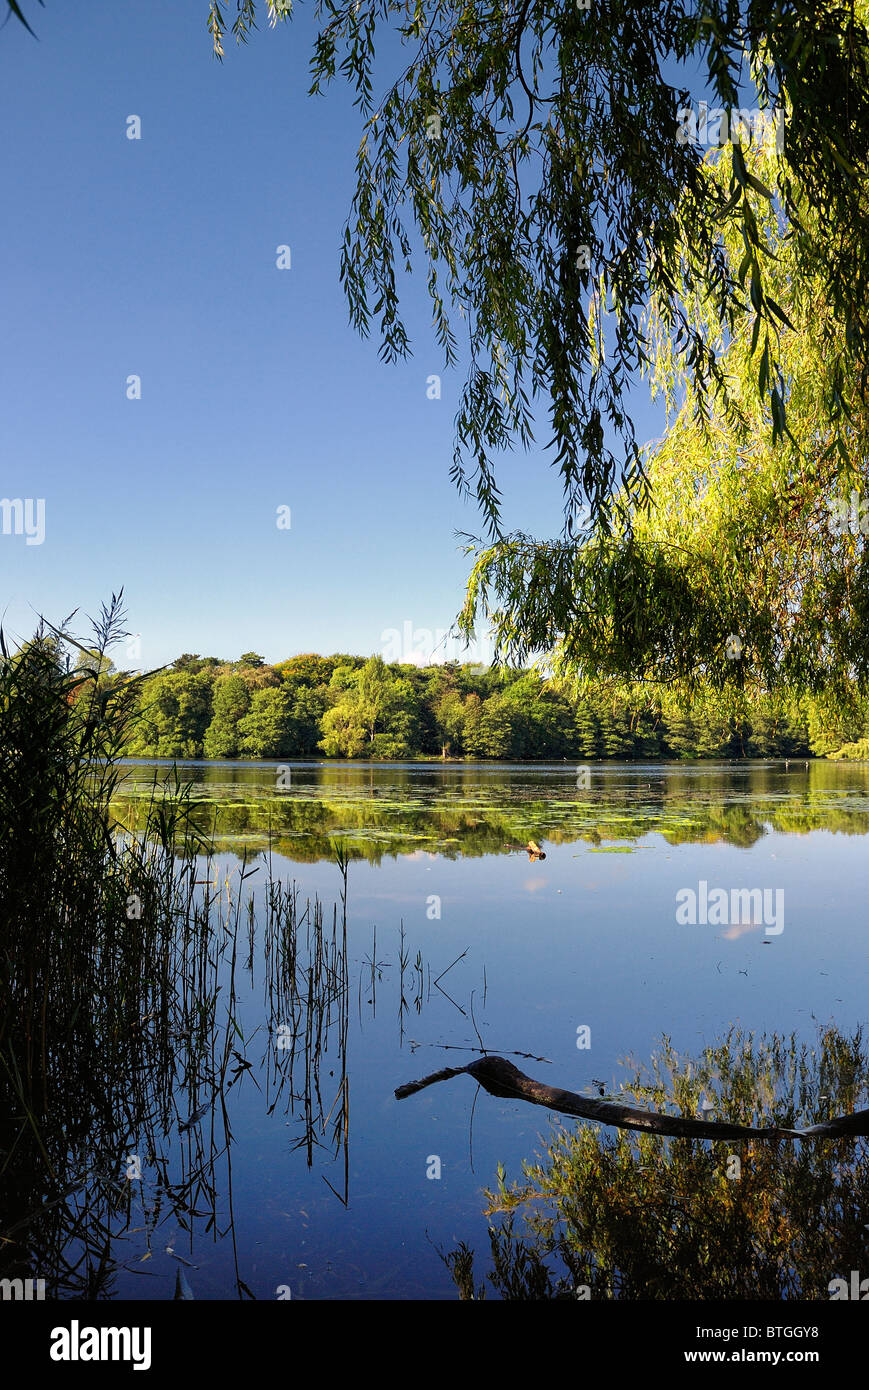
(344, 706)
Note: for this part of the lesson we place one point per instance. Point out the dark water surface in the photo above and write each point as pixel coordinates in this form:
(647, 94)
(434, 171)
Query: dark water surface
(521, 953)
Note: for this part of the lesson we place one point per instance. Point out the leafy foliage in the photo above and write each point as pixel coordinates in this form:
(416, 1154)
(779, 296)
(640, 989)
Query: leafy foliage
(746, 565)
(621, 1215)
(352, 707)
(529, 154)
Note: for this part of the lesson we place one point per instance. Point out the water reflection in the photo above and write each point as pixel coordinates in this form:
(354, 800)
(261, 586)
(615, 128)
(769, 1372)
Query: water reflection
(607, 1214)
(177, 1097)
(384, 810)
(117, 1143)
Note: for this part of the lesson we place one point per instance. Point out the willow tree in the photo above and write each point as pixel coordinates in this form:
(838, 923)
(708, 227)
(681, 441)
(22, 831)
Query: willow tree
(745, 563)
(536, 157)
(543, 160)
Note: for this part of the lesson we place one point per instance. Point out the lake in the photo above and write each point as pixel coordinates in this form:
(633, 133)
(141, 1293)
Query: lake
(316, 1182)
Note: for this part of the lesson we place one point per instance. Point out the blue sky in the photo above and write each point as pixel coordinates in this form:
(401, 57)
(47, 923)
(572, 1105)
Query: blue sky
(156, 257)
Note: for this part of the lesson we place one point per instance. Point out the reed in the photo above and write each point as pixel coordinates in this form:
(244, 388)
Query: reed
(121, 1035)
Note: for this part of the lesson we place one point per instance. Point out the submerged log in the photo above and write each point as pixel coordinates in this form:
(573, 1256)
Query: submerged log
(501, 1078)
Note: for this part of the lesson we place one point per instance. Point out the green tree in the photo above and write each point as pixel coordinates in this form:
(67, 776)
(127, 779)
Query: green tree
(542, 720)
(376, 691)
(834, 721)
(716, 737)
(344, 731)
(450, 717)
(680, 733)
(232, 700)
(309, 706)
(374, 713)
(176, 711)
(268, 729)
(587, 732)
(738, 570)
(491, 731)
(616, 735)
(311, 669)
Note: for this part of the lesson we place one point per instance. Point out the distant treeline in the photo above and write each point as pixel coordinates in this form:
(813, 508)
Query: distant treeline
(356, 707)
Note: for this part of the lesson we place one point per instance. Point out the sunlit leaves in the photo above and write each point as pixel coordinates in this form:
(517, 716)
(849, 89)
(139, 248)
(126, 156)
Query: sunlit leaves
(737, 535)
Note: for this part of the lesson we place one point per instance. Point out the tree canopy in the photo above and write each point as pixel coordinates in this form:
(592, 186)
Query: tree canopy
(534, 153)
(356, 707)
(746, 562)
(590, 190)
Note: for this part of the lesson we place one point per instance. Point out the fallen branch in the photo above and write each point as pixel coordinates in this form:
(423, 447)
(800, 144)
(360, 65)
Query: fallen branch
(501, 1078)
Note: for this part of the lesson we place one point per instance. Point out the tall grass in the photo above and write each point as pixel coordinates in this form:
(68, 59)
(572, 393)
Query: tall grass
(85, 917)
(68, 884)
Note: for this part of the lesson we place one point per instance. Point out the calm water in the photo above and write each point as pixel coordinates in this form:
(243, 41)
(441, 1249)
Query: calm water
(524, 952)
